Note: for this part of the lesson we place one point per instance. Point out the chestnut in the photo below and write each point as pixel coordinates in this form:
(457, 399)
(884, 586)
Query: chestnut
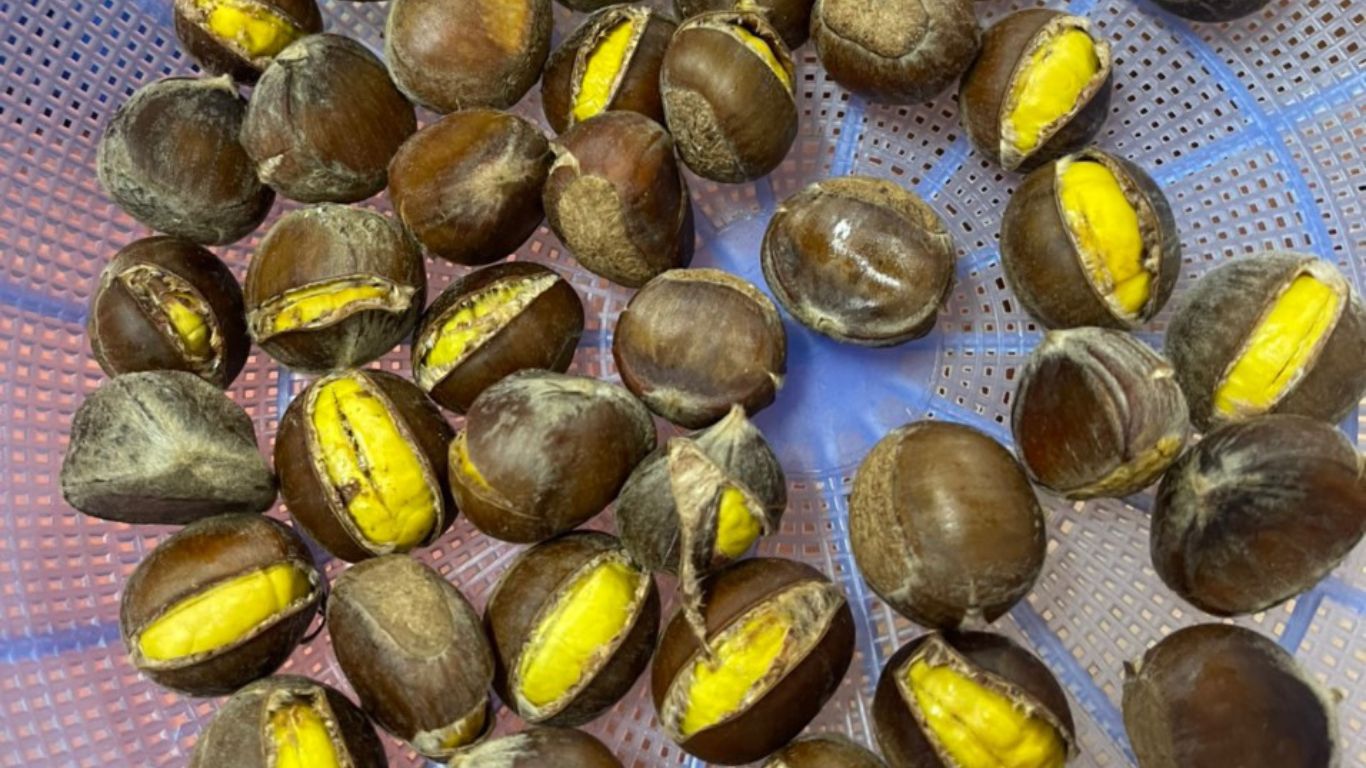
(457, 54)
(163, 303)
(325, 121)
(1212, 10)
(790, 18)
(412, 648)
(959, 700)
(289, 721)
(727, 86)
(1097, 413)
(543, 452)
(492, 323)
(361, 457)
(1274, 333)
(1089, 239)
(903, 54)
(1257, 512)
(1038, 89)
(860, 260)
(691, 378)
(538, 747)
(170, 158)
(610, 62)
(468, 187)
(165, 448)
(222, 602)
(583, 586)
(779, 638)
(586, 6)
(241, 37)
(617, 200)
(824, 751)
(332, 287)
(944, 525)
(1216, 695)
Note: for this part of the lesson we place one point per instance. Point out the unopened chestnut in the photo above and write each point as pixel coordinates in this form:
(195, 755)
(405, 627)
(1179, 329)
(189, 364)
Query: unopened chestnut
(824, 751)
(1097, 413)
(692, 378)
(222, 602)
(412, 648)
(361, 457)
(165, 448)
(1038, 89)
(325, 121)
(573, 623)
(727, 86)
(543, 452)
(860, 260)
(617, 200)
(457, 54)
(944, 525)
(163, 303)
(492, 323)
(242, 37)
(1089, 239)
(790, 18)
(468, 187)
(1215, 696)
(971, 700)
(333, 287)
(1257, 512)
(586, 6)
(1275, 333)
(170, 158)
(610, 62)
(289, 722)
(537, 748)
(1212, 10)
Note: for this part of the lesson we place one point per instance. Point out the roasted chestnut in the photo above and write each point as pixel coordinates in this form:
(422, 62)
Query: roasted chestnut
(573, 623)
(491, 323)
(456, 54)
(1038, 89)
(1257, 512)
(1274, 333)
(543, 452)
(468, 187)
(242, 37)
(825, 751)
(1090, 240)
(412, 648)
(333, 287)
(163, 303)
(860, 260)
(1097, 413)
(944, 525)
(222, 602)
(537, 748)
(170, 158)
(727, 86)
(779, 638)
(325, 121)
(163, 447)
(289, 722)
(790, 18)
(1212, 10)
(971, 700)
(691, 378)
(1215, 695)
(616, 199)
(611, 62)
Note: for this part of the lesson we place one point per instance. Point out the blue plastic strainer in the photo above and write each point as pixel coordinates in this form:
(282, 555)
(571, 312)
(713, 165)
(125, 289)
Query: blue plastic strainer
(1255, 129)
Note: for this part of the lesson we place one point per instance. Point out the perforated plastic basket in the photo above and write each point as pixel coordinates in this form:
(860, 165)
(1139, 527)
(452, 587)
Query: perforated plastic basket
(1256, 130)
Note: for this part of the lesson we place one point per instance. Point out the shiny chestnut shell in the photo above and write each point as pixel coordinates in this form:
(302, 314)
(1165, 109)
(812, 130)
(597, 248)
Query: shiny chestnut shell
(220, 57)
(790, 18)
(1212, 10)
(824, 751)
(537, 748)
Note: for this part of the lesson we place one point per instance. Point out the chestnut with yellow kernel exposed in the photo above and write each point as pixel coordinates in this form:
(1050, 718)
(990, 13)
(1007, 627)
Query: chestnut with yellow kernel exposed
(241, 37)
(790, 18)
(824, 751)
(537, 748)
(610, 62)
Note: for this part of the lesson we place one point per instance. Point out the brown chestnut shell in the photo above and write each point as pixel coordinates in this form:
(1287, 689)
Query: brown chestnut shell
(824, 751)
(537, 748)
(1212, 10)
(790, 18)
(223, 57)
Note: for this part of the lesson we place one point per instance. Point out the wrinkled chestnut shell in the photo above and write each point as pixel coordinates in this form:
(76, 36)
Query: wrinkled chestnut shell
(900, 735)
(239, 734)
(197, 557)
(528, 588)
(790, 18)
(1257, 513)
(1215, 317)
(125, 339)
(824, 751)
(218, 57)
(826, 244)
(171, 159)
(1214, 696)
(539, 748)
(1043, 264)
(1212, 10)
(468, 187)
(774, 719)
(944, 525)
(616, 198)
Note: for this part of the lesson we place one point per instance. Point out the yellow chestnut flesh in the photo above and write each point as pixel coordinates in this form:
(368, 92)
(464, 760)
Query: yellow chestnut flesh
(737, 526)
(1049, 85)
(301, 738)
(765, 51)
(224, 613)
(477, 318)
(187, 315)
(159, 292)
(254, 28)
(325, 303)
(601, 71)
(1104, 226)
